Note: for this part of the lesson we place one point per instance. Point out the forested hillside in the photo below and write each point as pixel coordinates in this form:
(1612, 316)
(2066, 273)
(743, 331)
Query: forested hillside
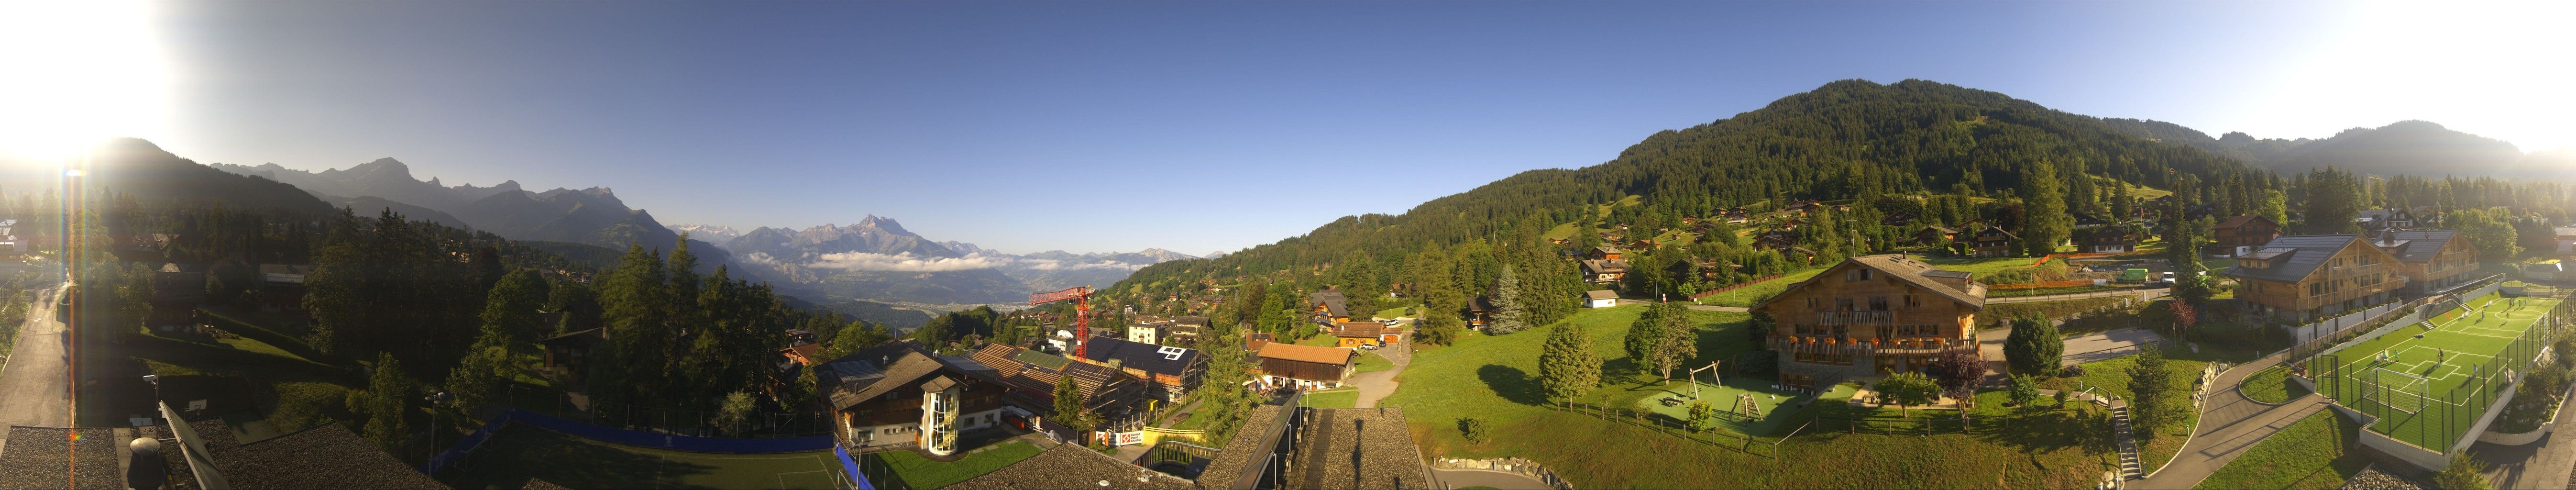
(1908, 154)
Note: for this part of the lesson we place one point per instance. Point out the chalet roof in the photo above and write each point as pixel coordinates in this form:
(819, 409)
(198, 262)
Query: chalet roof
(2415, 245)
(1148, 357)
(2242, 220)
(2565, 231)
(1307, 353)
(1602, 266)
(875, 371)
(1254, 342)
(1605, 250)
(1480, 303)
(1949, 284)
(1997, 230)
(1331, 300)
(1942, 229)
(2304, 254)
(1600, 294)
(1358, 329)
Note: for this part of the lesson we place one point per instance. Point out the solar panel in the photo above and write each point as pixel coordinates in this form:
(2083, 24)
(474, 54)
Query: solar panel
(1171, 353)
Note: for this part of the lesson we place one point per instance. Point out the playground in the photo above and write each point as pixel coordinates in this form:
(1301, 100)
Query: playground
(1748, 405)
(2421, 379)
(520, 453)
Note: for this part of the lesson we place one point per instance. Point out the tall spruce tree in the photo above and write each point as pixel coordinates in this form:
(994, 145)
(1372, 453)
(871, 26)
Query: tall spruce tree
(1567, 368)
(2045, 222)
(1509, 315)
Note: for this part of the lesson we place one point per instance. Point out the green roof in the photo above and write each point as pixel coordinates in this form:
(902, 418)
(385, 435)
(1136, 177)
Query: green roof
(1041, 359)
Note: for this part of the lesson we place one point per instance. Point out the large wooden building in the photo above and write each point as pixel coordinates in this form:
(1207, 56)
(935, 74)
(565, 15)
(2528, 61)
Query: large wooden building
(894, 394)
(1285, 364)
(1872, 316)
(2304, 276)
(2434, 261)
(2244, 230)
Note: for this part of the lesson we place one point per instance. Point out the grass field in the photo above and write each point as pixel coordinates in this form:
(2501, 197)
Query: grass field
(1981, 266)
(2445, 357)
(2051, 310)
(520, 453)
(1759, 291)
(915, 471)
(1370, 361)
(2315, 453)
(1491, 377)
(2272, 385)
(1769, 412)
(2111, 377)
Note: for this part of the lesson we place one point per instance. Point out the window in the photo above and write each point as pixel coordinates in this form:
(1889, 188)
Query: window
(2316, 288)
(1864, 274)
(1878, 303)
(1913, 302)
(1815, 303)
(1843, 304)
(1851, 275)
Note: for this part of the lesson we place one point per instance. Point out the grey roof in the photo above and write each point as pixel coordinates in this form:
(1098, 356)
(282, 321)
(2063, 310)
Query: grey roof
(1148, 357)
(2415, 245)
(875, 371)
(1600, 294)
(2306, 253)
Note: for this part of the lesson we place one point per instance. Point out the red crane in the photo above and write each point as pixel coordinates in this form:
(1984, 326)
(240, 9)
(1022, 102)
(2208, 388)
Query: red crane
(1081, 296)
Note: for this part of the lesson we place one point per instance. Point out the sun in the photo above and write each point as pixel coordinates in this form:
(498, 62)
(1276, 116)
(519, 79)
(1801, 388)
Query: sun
(73, 73)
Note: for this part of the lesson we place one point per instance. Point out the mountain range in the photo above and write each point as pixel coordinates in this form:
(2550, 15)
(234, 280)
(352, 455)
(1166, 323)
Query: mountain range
(2417, 148)
(877, 259)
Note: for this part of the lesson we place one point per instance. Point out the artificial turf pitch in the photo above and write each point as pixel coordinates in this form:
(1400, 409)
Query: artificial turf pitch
(520, 453)
(2461, 343)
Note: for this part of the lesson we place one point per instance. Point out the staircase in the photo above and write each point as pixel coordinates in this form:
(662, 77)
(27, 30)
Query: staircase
(2131, 468)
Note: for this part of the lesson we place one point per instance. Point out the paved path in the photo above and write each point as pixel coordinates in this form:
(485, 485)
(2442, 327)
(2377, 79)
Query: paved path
(1376, 385)
(33, 387)
(2106, 345)
(2543, 464)
(2229, 425)
(1486, 478)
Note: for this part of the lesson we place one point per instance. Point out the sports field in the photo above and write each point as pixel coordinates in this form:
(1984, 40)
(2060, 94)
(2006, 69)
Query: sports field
(520, 453)
(2414, 378)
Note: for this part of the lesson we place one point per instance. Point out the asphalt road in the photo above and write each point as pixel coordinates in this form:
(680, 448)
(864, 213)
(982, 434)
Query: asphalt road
(33, 387)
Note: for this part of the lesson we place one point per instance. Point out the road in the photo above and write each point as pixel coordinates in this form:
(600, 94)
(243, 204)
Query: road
(1486, 478)
(33, 382)
(1376, 385)
(2543, 464)
(2143, 295)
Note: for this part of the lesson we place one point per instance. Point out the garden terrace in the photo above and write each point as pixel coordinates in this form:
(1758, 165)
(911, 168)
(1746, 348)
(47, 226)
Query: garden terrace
(1074, 466)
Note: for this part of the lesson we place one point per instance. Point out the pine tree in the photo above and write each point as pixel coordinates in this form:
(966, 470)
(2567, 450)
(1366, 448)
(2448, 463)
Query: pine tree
(2033, 347)
(1509, 315)
(2045, 222)
(1567, 367)
(387, 406)
(2333, 199)
(2149, 401)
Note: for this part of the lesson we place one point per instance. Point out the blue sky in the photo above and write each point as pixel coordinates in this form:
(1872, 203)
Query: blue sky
(1097, 126)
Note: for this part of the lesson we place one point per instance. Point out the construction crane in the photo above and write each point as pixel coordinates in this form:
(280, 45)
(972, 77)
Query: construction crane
(1081, 296)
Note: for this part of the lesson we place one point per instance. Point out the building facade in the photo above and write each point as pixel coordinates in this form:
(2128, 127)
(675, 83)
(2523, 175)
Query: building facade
(2306, 276)
(1869, 317)
(2434, 261)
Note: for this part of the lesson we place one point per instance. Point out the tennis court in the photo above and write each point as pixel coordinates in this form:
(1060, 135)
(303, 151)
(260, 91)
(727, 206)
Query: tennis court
(519, 453)
(2430, 381)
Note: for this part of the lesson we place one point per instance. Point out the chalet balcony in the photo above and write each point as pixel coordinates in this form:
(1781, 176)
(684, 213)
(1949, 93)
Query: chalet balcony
(1865, 317)
(2356, 270)
(1865, 345)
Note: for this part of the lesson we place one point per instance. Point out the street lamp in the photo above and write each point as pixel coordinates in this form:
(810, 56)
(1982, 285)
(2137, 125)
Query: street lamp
(438, 403)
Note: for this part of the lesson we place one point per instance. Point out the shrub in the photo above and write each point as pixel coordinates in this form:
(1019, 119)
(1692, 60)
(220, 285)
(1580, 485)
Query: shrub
(2024, 390)
(1472, 428)
(2462, 474)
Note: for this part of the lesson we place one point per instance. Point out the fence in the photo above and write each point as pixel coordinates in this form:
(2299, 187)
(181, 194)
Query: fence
(664, 419)
(2043, 285)
(1517, 466)
(2442, 415)
(1736, 286)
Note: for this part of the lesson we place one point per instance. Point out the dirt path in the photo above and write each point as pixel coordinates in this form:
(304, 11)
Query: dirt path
(1376, 385)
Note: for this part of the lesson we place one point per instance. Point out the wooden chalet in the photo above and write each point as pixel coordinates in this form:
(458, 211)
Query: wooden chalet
(2306, 276)
(2386, 219)
(1871, 316)
(1601, 271)
(2434, 261)
(1355, 334)
(281, 287)
(1329, 304)
(568, 354)
(1284, 365)
(2107, 239)
(1931, 235)
(1031, 377)
(177, 291)
(1992, 241)
(2243, 230)
(1185, 330)
(895, 395)
(1480, 312)
(1605, 252)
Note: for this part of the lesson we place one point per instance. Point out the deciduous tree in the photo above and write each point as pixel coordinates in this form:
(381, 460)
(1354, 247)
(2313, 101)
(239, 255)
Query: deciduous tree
(1567, 367)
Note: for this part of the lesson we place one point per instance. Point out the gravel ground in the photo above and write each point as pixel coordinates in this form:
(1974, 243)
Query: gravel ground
(328, 456)
(45, 457)
(2373, 479)
(1231, 459)
(1074, 466)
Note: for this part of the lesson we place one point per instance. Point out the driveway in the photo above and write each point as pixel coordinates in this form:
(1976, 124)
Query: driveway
(2229, 425)
(1376, 385)
(33, 387)
(1486, 478)
(2143, 295)
(2105, 345)
(2543, 464)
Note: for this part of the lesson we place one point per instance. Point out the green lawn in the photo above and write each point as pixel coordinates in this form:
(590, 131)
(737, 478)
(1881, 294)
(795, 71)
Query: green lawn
(1370, 361)
(1392, 313)
(1340, 398)
(2111, 377)
(521, 453)
(1981, 266)
(1746, 296)
(917, 472)
(2314, 453)
(1320, 340)
(2050, 310)
(1492, 378)
(2272, 385)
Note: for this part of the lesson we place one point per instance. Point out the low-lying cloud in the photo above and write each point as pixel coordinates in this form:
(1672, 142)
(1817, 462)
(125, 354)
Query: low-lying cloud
(863, 261)
(1055, 265)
